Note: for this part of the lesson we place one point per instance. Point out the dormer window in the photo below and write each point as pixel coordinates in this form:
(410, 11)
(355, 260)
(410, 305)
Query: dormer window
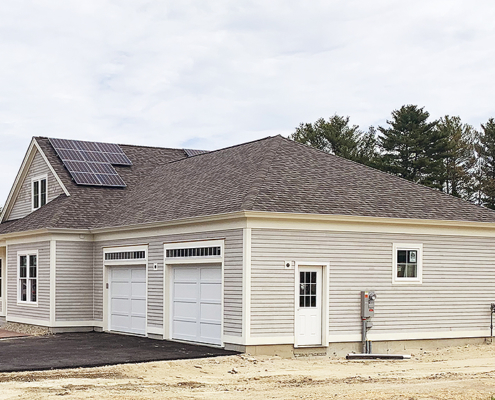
(39, 191)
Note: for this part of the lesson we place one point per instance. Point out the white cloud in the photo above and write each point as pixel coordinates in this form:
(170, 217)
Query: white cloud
(216, 73)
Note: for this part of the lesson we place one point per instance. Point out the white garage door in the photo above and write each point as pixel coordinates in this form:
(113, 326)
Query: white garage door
(128, 300)
(197, 304)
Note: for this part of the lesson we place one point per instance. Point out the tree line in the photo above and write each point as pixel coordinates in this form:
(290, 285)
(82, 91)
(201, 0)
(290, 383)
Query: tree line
(445, 154)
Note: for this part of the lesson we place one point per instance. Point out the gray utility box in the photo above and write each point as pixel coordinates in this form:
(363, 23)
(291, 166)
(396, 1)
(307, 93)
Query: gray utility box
(367, 304)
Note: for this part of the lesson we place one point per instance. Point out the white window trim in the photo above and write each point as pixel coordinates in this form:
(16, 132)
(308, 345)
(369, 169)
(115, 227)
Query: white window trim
(407, 281)
(191, 245)
(38, 179)
(170, 263)
(28, 253)
(139, 261)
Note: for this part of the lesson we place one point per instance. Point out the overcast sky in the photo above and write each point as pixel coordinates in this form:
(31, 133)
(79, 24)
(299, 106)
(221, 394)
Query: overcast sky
(209, 74)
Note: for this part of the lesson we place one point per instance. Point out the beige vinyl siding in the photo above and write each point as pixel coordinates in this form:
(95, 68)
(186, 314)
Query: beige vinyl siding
(23, 203)
(458, 281)
(3, 282)
(232, 275)
(74, 281)
(42, 310)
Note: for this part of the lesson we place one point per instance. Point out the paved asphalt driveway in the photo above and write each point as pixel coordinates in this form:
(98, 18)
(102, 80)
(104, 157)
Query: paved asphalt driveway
(93, 349)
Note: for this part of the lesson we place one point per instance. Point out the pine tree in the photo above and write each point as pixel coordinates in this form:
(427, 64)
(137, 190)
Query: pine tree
(412, 148)
(460, 161)
(487, 163)
(337, 136)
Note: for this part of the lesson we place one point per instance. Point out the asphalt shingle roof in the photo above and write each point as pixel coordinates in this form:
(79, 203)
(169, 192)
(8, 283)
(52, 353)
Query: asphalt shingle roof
(272, 174)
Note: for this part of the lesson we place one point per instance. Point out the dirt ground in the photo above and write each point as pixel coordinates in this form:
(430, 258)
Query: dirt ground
(454, 373)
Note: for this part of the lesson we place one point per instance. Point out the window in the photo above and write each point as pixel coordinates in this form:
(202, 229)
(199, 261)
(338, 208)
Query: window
(39, 187)
(407, 263)
(1, 278)
(126, 255)
(307, 289)
(28, 278)
(214, 251)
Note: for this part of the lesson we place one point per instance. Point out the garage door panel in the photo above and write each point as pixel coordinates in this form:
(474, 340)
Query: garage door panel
(138, 324)
(120, 306)
(211, 332)
(138, 306)
(138, 289)
(120, 321)
(185, 291)
(185, 310)
(128, 299)
(138, 275)
(122, 274)
(211, 291)
(211, 274)
(186, 274)
(122, 289)
(211, 312)
(185, 330)
(196, 304)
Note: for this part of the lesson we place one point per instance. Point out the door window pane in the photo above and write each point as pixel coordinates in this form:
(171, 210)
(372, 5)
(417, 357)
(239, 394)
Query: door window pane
(307, 289)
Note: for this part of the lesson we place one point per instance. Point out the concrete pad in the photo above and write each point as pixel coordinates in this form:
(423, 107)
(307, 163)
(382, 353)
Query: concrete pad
(94, 349)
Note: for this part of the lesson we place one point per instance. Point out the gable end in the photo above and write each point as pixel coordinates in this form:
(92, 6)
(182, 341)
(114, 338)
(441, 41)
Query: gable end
(35, 164)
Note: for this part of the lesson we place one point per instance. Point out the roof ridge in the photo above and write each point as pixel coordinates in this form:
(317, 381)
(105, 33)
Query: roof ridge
(224, 148)
(253, 193)
(450, 196)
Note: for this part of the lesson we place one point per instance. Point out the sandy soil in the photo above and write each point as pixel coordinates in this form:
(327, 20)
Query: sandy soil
(454, 373)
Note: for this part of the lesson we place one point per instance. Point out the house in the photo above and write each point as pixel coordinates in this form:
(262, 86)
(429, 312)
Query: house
(262, 247)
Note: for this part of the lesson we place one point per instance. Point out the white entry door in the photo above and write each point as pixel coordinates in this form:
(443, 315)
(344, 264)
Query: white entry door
(197, 304)
(309, 307)
(128, 300)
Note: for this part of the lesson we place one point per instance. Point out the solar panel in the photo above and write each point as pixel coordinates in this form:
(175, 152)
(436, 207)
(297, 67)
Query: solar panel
(91, 163)
(192, 152)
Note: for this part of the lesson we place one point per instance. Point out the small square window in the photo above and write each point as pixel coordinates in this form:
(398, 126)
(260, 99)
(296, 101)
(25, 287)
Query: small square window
(407, 263)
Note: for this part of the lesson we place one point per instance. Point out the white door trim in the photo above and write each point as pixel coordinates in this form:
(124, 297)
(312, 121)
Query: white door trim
(325, 267)
(169, 263)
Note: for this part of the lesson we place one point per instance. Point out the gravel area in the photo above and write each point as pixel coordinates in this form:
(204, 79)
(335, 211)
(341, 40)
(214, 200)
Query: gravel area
(32, 330)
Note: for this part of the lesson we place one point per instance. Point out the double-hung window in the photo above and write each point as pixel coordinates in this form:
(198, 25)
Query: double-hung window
(39, 192)
(407, 263)
(28, 278)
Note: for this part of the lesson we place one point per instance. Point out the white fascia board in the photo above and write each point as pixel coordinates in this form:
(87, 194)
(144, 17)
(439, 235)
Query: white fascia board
(290, 221)
(294, 221)
(51, 168)
(50, 233)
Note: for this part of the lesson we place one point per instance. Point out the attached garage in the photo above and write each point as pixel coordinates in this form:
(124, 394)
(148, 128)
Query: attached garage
(196, 299)
(128, 299)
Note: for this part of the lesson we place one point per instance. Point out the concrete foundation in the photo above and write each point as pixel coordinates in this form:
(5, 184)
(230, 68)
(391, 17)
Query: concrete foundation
(339, 350)
(72, 329)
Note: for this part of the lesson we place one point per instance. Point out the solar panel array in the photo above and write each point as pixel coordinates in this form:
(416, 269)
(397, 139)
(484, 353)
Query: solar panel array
(192, 152)
(91, 163)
